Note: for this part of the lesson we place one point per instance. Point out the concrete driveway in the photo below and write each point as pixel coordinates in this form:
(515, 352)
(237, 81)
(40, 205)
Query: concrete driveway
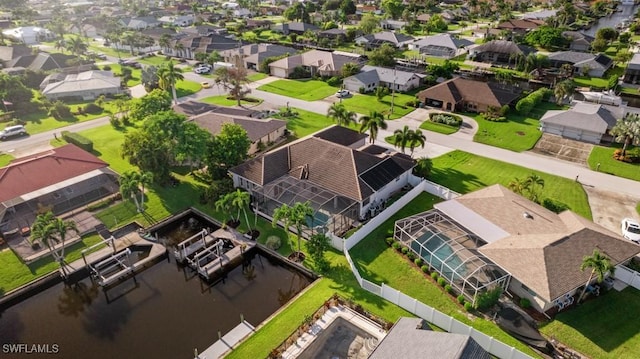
(609, 208)
(563, 148)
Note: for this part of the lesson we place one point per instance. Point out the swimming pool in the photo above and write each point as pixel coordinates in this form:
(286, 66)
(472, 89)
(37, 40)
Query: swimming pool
(437, 253)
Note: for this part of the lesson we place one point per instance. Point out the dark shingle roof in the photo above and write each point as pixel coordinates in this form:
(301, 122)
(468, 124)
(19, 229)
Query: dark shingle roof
(256, 128)
(458, 89)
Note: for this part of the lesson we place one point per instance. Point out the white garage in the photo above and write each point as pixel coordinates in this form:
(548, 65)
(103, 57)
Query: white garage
(584, 122)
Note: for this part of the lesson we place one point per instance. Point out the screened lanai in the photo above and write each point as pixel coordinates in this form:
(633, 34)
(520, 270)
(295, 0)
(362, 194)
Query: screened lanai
(452, 252)
(332, 212)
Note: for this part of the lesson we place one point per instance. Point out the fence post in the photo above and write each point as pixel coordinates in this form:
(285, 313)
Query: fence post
(415, 306)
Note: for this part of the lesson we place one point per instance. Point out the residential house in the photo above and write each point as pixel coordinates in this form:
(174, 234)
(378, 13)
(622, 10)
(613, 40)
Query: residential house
(298, 28)
(520, 26)
(8, 53)
(423, 18)
(177, 20)
(259, 24)
(594, 65)
(139, 23)
(187, 45)
(87, 85)
(205, 30)
(540, 14)
(498, 52)
(341, 176)
(261, 132)
(372, 77)
(414, 338)
(632, 72)
(195, 108)
(28, 35)
(460, 94)
(375, 40)
(322, 63)
(362, 9)
(86, 30)
(254, 54)
(578, 41)
(42, 61)
(493, 238)
(390, 24)
(441, 45)
(333, 34)
(584, 121)
(62, 178)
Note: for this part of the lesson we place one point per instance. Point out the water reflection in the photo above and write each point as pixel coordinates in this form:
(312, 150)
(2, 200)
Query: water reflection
(105, 321)
(75, 298)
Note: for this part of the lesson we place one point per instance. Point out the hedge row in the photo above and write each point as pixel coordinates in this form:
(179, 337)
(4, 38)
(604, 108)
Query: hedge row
(78, 140)
(533, 99)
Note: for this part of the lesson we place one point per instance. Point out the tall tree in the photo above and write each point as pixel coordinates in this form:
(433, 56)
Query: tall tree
(223, 205)
(227, 149)
(416, 139)
(234, 80)
(340, 115)
(145, 179)
(373, 123)
(534, 183)
(51, 231)
(241, 200)
(402, 137)
(627, 131)
(129, 188)
(563, 90)
(76, 46)
(164, 42)
(296, 216)
(150, 104)
(600, 266)
(168, 76)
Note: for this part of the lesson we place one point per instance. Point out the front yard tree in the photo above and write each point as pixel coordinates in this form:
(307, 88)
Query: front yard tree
(227, 149)
(383, 56)
(373, 123)
(340, 115)
(402, 137)
(369, 23)
(296, 216)
(627, 131)
(154, 102)
(76, 46)
(14, 91)
(600, 266)
(416, 138)
(51, 231)
(129, 182)
(168, 76)
(350, 69)
(234, 81)
(563, 89)
(393, 8)
(149, 78)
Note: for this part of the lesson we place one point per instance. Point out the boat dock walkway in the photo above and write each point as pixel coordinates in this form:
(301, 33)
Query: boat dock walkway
(219, 260)
(228, 341)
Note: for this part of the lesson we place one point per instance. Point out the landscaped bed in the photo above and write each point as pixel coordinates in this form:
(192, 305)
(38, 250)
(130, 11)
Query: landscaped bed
(308, 90)
(442, 123)
(224, 100)
(604, 157)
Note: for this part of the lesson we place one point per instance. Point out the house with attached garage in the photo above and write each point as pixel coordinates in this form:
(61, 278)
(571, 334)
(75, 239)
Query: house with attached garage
(375, 40)
(87, 85)
(584, 121)
(372, 77)
(583, 63)
(460, 94)
(441, 45)
(323, 63)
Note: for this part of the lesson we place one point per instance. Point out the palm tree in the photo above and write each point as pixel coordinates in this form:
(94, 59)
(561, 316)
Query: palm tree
(76, 46)
(600, 266)
(416, 139)
(144, 179)
(223, 204)
(179, 49)
(60, 45)
(531, 182)
(295, 215)
(627, 131)
(342, 117)
(240, 200)
(518, 186)
(168, 75)
(129, 187)
(563, 90)
(402, 137)
(373, 123)
(50, 231)
(164, 42)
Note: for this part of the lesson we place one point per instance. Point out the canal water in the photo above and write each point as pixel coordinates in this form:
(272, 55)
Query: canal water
(627, 13)
(167, 314)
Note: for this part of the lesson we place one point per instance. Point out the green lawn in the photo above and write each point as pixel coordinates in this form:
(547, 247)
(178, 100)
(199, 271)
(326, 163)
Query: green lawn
(604, 157)
(599, 82)
(224, 100)
(38, 120)
(96, 47)
(465, 172)
(5, 159)
(154, 60)
(307, 122)
(15, 273)
(308, 90)
(379, 263)
(136, 74)
(257, 76)
(439, 127)
(604, 327)
(186, 88)
(363, 104)
(519, 133)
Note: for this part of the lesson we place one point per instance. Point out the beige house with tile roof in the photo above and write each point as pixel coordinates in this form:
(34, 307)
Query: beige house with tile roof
(342, 177)
(322, 63)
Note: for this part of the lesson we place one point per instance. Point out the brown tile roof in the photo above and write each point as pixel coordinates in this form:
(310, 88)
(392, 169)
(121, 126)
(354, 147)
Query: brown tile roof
(330, 165)
(28, 174)
(256, 128)
(459, 89)
(194, 108)
(543, 250)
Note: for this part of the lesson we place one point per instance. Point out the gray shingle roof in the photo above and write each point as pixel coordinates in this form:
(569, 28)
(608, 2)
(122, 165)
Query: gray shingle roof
(583, 116)
(444, 40)
(256, 128)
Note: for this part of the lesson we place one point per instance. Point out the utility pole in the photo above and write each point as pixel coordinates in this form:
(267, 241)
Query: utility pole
(393, 90)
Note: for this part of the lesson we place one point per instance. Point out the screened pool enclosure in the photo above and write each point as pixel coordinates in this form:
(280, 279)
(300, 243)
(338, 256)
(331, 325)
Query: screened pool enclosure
(452, 252)
(332, 212)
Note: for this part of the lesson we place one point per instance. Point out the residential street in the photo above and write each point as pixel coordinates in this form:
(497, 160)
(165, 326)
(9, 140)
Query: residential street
(436, 143)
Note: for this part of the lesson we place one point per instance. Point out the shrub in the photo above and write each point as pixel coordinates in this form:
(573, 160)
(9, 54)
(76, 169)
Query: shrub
(451, 120)
(92, 108)
(405, 250)
(273, 242)
(448, 288)
(468, 306)
(425, 269)
(390, 232)
(334, 81)
(115, 121)
(525, 303)
(389, 240)
(418, 262)
(488, 299)
(411, 256)
(554, 205)
(434, 275)
(442, 281)
(362, 90)
(461, 299)
(106, 68)
(526, 104)
(78, 140)
(101, 204)
(396, 246)
(60, 111)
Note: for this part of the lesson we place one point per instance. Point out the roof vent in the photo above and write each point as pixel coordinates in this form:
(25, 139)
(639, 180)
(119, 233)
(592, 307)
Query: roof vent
(527, 215)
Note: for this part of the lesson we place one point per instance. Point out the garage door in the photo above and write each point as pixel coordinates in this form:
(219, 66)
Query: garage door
(552, 129)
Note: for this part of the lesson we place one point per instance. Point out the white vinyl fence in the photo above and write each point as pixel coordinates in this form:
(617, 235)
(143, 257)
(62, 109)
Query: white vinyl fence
(627, 275)
(491, 345)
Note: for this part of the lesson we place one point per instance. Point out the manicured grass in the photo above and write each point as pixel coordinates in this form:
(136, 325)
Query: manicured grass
(15, 273)
(439, 127)
(308, 90)
(257, 76)
(136, 74)
(363, 104)
(599, 82)
(307, 122)
(380, 263)
(38, 120)
(97, 47)
(154, 60)
(603, 327)
(186, 88)
(5, 159)
(604, 157)
(519, 133)
(464, 172)
(224, 100)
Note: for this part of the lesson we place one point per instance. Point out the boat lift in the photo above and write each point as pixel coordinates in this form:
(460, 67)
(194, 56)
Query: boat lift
(205, 260)
(113, 268)
(191, 245)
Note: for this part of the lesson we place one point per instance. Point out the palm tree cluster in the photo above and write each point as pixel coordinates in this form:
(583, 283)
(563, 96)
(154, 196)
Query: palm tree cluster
(168, 76)
(529, 187)
(235, 200)
(296, 216)
(133, 183)
(600, 266)
(51, 231)
(374, 122)
(627, 131)
(340, 115)
(407, 137)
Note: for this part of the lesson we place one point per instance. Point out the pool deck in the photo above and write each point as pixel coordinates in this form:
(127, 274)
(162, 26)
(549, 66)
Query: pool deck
(228, 341)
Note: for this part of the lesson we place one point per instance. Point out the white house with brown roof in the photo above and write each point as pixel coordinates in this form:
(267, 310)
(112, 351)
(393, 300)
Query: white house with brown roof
(334, 169)
(323, 63)
(541, 251)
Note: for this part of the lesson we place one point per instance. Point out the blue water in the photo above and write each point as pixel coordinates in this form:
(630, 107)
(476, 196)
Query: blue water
(437, 256)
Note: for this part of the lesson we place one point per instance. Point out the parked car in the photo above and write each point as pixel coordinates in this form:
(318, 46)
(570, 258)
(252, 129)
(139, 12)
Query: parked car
(631, 230)
(203, 69)
(205, 85)
(342, 93)
(101, 56)
(12, 131)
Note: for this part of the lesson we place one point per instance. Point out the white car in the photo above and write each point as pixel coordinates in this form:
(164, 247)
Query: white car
(342, 93)
(202, 70)
(631, 230)
(12, 131)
